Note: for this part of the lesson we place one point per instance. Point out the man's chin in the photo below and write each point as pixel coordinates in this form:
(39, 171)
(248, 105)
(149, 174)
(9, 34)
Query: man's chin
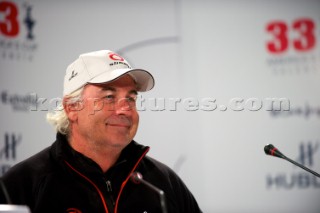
(120, 142)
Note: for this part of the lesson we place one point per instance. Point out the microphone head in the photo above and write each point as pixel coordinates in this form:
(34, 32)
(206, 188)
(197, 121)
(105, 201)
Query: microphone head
(269, 149)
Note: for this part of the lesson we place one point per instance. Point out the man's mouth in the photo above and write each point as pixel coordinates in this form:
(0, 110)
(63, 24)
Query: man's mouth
(119, 122)
(119, 125)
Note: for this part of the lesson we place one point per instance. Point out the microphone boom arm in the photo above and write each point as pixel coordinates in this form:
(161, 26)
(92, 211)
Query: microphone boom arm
(302, 166)
(273, 151)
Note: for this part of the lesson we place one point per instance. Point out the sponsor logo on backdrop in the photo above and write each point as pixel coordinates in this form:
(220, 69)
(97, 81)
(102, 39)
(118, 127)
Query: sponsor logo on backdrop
(19, 102)
(308, 154)
(305, 111)
(17, 36)
(292, 46)
(8, 151)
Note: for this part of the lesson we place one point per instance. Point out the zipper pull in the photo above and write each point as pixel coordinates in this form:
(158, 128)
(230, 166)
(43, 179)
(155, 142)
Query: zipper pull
(109, 187)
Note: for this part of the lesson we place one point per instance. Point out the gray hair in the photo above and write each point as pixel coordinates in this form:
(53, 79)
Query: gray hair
(58, 117)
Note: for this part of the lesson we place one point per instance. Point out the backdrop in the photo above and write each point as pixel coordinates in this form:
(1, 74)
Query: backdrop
(231, 77)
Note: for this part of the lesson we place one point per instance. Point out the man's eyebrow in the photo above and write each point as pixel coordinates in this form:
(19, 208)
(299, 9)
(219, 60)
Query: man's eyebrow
(108, 89)
(135, 92)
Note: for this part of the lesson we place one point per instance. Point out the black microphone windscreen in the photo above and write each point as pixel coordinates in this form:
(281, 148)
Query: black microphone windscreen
(269, 149)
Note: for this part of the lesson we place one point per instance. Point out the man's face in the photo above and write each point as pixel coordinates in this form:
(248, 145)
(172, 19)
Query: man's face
(108, 116)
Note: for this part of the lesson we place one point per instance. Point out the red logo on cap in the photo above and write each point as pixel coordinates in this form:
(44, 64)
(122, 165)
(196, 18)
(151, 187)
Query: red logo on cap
(115, 57)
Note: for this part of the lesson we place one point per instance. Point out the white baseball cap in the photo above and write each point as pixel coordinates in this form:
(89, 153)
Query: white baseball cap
(101, 67)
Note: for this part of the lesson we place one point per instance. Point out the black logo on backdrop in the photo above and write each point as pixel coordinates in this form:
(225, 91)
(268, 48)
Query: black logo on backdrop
(29, 22)
(19, 102)
(307, 153)
(305, 111)
(8, 151)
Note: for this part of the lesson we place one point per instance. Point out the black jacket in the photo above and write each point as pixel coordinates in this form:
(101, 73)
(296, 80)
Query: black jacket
(59, 179)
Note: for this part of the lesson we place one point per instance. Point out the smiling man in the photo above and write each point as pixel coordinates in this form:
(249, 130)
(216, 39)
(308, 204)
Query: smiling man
(107, 121)
(89, 166)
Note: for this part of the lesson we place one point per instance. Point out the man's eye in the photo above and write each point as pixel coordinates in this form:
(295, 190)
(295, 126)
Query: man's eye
(109, 98)
(131, 99)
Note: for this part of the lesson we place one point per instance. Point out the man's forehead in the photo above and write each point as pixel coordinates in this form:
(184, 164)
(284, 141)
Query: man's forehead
(98, 90)
(103, 88)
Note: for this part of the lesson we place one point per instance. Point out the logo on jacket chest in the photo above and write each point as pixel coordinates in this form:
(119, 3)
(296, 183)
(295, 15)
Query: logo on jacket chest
(73, 210)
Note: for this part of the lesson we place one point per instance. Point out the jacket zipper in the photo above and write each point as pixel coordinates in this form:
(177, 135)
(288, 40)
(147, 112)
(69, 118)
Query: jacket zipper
(94, 185)
(109, 184)
(109, 188)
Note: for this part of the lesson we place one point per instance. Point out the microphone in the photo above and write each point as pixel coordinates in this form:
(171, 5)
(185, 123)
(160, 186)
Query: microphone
(269, 149)
(137, 178)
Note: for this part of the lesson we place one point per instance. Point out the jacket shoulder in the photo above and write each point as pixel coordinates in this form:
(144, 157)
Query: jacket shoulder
(160, 169)
(22, 179)
(32, 165)
(167, 179)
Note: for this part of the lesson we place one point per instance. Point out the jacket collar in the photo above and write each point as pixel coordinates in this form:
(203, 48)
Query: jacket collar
(62, 151)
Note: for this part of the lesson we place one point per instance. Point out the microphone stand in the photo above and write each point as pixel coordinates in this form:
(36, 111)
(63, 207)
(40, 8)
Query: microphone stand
(5, 192)
(137, 178)
(10, 207)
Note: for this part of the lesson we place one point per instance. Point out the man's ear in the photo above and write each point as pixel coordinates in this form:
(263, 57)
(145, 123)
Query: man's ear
(72, 108)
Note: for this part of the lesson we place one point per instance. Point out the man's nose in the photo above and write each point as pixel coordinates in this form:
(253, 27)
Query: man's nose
(123, 105)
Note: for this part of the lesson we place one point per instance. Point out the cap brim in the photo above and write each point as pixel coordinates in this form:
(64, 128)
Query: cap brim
(143, 78)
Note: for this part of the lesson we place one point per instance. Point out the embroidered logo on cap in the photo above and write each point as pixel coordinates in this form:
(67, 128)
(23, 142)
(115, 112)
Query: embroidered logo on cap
(118, 60)
(115, 57)
(73, 74)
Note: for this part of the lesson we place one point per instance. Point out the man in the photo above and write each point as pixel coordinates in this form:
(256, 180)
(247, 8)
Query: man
(89, 166)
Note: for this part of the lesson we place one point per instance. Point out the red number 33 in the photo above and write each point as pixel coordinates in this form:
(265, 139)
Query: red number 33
(279, 30)
(9, 26)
